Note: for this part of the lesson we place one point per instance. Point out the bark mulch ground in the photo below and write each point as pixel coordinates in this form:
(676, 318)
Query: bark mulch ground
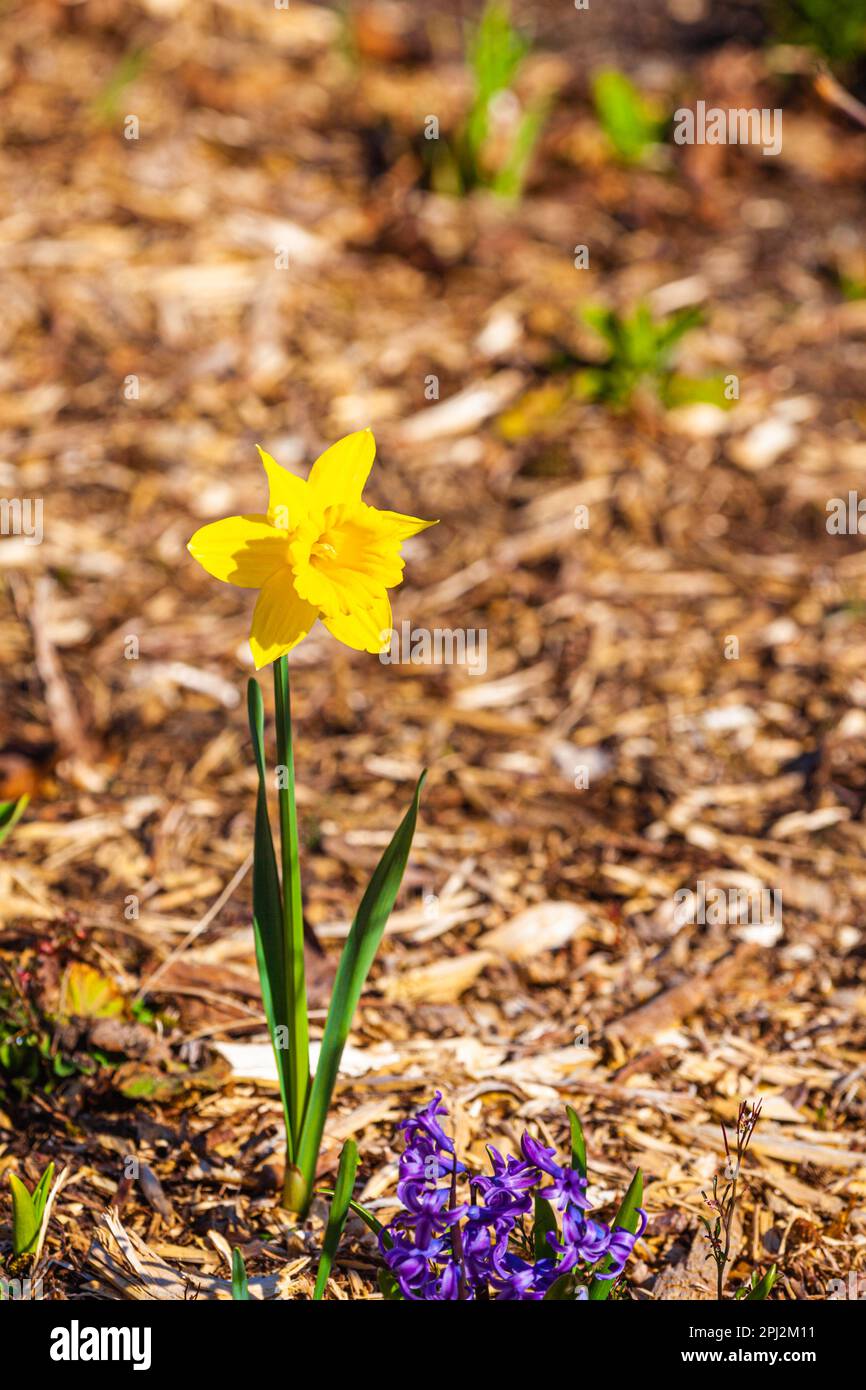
(673, 688)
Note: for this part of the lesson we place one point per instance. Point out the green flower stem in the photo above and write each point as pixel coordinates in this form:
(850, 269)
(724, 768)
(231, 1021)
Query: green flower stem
(278, 926)
(293, 919)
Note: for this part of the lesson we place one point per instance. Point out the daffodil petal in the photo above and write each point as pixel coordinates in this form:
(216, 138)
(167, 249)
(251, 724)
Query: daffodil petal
(365, 629)
(397, 526)
(281, 619)
(339, 474)
(243, 550)
(288, 496)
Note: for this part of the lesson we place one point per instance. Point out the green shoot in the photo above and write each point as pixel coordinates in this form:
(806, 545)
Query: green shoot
(106, 106)
(578, 1143)
(10, 814)
(836, 29)
(758, 1289)
(489, 151)
(627, 1217)
(851, 287)
(240, 1287)
(640, 355)
(545, 1224)
(630, 122)
(28, 1211)
(338, 1214)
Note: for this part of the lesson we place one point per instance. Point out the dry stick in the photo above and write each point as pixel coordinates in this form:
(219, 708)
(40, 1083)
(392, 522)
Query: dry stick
(835, 94)
(722, 1264)
(199, 927)
(457, 1235)
(66, 725)
(670, 1006)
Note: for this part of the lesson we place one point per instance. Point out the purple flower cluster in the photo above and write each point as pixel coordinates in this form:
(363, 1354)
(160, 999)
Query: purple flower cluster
(439, 1248)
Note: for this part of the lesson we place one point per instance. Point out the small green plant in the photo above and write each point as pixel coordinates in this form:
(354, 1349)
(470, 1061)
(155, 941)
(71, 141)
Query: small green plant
(28, 1211)
(834, 28)
(340, 1203)
(240, 1287)
(27, 1055)
(758, 1289)
(10, 814)
(723, 1205)
(495, 52)
(632, 124)
(27, 1061)
(852, 288)
(640, 353)
(107, 104)
(45, 1042)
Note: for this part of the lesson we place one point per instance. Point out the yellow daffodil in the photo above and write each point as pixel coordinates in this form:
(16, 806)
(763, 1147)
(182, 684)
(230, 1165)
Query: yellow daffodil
(319, 552)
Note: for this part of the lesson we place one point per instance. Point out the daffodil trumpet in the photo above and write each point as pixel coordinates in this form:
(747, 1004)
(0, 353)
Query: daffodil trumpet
(318, 553)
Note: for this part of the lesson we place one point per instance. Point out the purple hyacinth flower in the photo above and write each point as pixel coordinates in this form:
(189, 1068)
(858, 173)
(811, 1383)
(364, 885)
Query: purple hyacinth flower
(570, 1190)
(485, 1247)
(424, 1125)
(622, 1242)
(582, 1239)
(442, 1249)
(522, 1280)
(539, 1155)
(409, 1267)
(419, 1165)
(422, 1200)
(509, 1173)
(516, 1280)
(568, 1187)
(446, 1289)
(509, 1187)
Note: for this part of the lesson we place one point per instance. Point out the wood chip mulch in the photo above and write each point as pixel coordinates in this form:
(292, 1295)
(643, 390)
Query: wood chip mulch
(673, 695)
